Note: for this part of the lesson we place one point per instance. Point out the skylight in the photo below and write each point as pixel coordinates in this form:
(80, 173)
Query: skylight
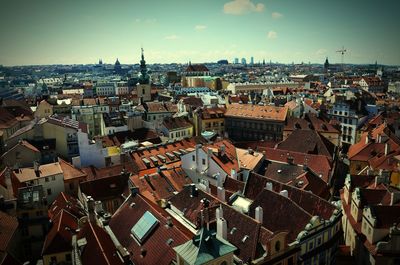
(144, 226)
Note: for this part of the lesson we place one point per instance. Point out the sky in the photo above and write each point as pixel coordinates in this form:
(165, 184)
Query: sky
(286, 31)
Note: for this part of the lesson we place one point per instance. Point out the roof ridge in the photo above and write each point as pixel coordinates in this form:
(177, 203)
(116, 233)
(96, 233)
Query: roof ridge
(98, 243)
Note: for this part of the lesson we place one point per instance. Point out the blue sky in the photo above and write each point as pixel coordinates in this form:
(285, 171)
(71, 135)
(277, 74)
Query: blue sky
(82, 31)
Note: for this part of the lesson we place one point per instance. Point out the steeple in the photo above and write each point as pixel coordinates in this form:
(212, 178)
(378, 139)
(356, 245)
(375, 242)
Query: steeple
(326, 65)
(143, 75)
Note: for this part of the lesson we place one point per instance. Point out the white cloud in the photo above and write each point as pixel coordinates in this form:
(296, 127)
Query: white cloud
(276, 15)
(321, 52)
(200, 27)
(171, 37)
(272, 34)
(240, 7)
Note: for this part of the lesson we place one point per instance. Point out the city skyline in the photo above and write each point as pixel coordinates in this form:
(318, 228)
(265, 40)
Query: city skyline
(82, 32)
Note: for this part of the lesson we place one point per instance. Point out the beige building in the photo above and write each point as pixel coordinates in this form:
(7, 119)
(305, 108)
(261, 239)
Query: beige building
(22, 155)
(43, 110)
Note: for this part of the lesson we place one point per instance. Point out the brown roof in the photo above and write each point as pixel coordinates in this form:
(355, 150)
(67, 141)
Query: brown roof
(308, 142)
(257, 112)
(176, 123)
(67, 122)
(7, 120)
(196, 68)
(27, 174)
(386, 215)
(99, 248)
(70, 172)
(68, 203)
(157, 247)
(8, 226)
(239, 225)
(59, 237)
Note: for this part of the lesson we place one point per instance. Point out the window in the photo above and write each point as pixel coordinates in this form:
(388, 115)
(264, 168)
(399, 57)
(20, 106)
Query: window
(46, 179)
(53, 260)
(48, 191)
(53, 178)
(193, 158)
(369, 230)
(319, 241)
(203, 161)
(310, 246)
(71, 186)
(68, 257)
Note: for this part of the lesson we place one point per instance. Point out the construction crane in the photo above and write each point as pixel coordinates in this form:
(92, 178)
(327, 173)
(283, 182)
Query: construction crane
(342, 51)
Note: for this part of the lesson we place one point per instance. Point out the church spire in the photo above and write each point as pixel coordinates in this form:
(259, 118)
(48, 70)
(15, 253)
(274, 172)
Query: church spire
(143, 75)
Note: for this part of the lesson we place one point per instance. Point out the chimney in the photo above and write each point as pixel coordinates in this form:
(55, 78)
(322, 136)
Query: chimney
(219, 179)
(36, 168)
(222, 228)
(259, 214)
(91, 209)
(219, 213)
(193, 190)
(268, 186)
(387, 149)
(284, 193)
(134, 191)
(250, 151)
(98, 206)
(233, 174)
(169, 221)
(221, 194)
(222, 150)
(290, 160)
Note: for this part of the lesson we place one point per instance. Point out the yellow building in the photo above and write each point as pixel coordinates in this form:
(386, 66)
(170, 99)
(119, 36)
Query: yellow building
(209, 119)
(43, 110)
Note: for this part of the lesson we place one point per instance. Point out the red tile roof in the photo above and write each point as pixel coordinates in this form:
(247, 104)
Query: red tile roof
(67, 203)
(157, 248)
(99, 248)
(196, 68)
(257, 112)
(71, 172)
(177, 123)
(59, 237)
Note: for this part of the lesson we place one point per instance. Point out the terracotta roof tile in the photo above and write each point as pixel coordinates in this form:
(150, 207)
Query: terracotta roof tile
(8, 227)
(249, 111)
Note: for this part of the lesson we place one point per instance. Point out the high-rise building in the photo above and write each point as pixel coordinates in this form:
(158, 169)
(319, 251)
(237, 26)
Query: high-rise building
(236, 61)
(251, 60)
(243, 60)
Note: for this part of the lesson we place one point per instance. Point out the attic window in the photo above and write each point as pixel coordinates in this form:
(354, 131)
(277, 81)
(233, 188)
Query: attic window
(170, 241)
(233, 230)
(245, 238)
(144, 226)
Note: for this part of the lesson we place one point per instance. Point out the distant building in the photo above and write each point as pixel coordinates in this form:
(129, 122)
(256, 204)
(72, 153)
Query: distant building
(251, 60)
(243, 61)
(143, 87)
(236, 61)
(255, 122)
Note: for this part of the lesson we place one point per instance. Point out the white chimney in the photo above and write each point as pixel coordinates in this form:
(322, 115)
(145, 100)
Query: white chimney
(387, 149)
(233, 174)
(221, 194)
(367, 139)
(259, 214)
(268, 186)
(222, 228)
(98, 207)
(219, 180)
(284, 193)
(219, 213)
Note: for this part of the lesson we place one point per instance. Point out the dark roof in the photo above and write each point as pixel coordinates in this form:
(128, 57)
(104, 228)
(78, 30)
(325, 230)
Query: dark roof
(197, 68)
(60, 235)
(386, 215)
(308, 142)
(68, 203)
(99, 248)
(8, 226)
(176, 123)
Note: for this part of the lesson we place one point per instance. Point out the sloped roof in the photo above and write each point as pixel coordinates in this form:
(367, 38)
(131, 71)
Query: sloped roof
(59, 237)
(70, 172)
(157, 248)
(257, 112)
(8, 226)
(204, 247)
(99, 249)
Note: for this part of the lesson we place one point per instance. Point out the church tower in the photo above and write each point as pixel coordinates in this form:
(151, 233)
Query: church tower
(143, 87)
(326, 65)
